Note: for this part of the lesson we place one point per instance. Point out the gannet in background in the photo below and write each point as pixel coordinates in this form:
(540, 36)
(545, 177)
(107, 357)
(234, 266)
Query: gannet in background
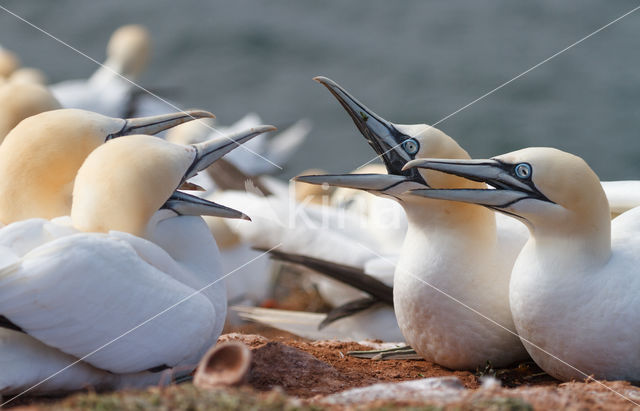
(9, 63)
(21, 100)
(622, 195)
(574, 286)
(255, 159)
(10, 70)
(279, 221)
(278, 149)
(274, 211)
(79, 282)
(106, 92)
(383, 219)
(50, 148)
(28, 75)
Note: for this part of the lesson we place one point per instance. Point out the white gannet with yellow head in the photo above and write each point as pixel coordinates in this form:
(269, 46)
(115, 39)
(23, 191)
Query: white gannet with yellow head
(106, 91)
(574, 286)
(451, 252)
(130, 282)
(40, 157)
(21, 100)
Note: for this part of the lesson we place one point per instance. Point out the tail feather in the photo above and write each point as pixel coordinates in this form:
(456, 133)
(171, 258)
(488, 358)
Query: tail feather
(300, 323)
(372, 324)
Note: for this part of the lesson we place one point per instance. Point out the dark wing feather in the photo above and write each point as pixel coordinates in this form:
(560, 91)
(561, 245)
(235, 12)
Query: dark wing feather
(353, 276)
(346, 310)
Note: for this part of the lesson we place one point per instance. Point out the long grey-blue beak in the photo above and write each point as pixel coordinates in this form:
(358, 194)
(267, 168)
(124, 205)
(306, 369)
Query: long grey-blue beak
(155, 124)
(511, 182)
(209, 151)
(388, 184)
(187, 204)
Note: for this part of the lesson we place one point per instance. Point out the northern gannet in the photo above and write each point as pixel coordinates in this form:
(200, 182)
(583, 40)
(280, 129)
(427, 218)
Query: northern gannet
(10, 70)
(450, 249)
(116, 271)
(106, 92)
(50, 147)
(21, 100)
(574, 285)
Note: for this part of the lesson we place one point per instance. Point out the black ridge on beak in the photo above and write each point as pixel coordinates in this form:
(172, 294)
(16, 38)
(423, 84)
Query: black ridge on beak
(512, 182)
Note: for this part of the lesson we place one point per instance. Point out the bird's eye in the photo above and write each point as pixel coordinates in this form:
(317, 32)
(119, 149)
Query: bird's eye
(411, 146)
(523, 171)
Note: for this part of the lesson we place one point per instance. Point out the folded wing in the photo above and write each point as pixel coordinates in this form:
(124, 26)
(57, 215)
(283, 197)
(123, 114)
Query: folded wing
(93, 295)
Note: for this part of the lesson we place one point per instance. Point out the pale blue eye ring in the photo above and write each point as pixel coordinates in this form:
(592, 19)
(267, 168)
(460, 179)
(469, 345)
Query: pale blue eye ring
(523, 171)
(411, 146)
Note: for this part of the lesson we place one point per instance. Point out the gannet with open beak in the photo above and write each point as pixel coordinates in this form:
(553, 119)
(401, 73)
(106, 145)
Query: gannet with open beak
(21, 100)
(106, 92)
(450, 249)
(574, 285)
(40, 157)
(117, 262)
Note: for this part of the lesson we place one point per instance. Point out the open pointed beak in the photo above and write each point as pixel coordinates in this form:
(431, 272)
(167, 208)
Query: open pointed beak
(508, 187)
(386, 141)
(381, 134)
(206, 153)
(389, 184)
(155, 124)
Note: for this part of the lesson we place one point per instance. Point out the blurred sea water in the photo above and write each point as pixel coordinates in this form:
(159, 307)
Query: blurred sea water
(411, 62)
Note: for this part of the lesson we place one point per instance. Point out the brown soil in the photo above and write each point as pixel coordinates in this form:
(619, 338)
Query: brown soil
(323, 367)
(286, 369)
